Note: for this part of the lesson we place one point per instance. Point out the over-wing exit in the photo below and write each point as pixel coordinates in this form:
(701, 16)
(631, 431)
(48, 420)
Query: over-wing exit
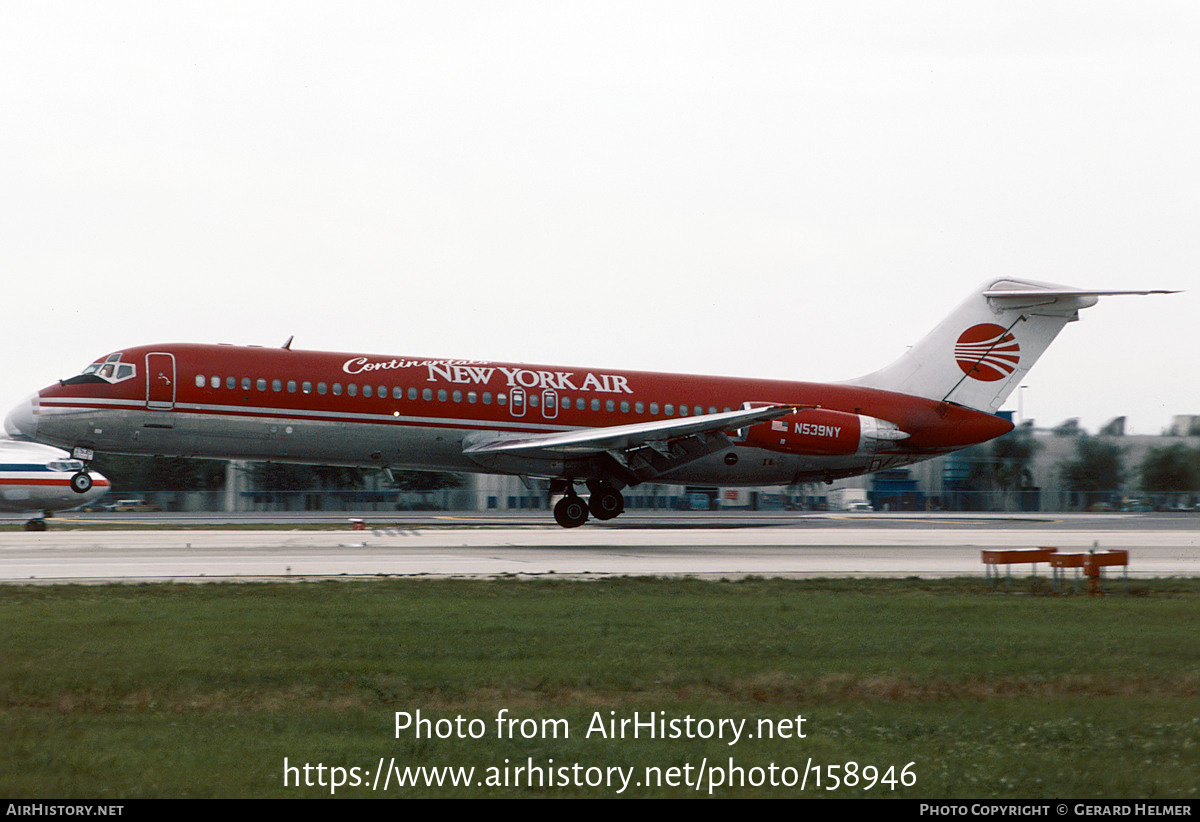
(584, 429)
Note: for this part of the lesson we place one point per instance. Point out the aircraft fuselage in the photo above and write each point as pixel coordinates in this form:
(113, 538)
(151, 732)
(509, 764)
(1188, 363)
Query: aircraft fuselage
(252, 403)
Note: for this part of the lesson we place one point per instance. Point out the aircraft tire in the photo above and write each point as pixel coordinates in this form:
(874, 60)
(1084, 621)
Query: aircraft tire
(81, 482)
(606, 503)
(35, 525)
(570, 512)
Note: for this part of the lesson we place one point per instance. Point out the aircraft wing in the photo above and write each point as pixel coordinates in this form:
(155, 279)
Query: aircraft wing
(632, 453)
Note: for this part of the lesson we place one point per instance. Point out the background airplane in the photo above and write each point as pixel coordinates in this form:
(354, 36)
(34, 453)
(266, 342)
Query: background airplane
(35, 480)
(601, 428)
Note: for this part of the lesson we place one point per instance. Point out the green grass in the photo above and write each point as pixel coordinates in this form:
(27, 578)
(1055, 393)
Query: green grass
(202, 690)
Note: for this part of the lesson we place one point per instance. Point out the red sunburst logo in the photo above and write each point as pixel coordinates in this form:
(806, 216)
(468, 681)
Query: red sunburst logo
(987, 352)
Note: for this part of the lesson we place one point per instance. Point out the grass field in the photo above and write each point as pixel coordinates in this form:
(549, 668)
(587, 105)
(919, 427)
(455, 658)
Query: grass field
(930, 688)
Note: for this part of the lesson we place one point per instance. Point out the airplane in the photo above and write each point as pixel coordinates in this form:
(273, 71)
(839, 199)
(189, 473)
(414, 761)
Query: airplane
(35, 480)
(603, 428)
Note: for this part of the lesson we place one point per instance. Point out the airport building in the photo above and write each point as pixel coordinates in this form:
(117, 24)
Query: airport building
(1031, 475)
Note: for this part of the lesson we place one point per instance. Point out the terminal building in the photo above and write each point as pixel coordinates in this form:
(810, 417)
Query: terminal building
(989, 477)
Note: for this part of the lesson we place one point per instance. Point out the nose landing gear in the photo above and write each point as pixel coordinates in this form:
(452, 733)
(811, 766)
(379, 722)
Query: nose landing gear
(81, 482)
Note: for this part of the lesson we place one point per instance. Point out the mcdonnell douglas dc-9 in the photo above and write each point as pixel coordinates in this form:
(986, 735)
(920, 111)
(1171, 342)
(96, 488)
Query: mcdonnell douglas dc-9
(599, 428)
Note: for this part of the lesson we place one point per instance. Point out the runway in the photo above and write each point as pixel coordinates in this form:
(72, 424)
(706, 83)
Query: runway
(431, 546)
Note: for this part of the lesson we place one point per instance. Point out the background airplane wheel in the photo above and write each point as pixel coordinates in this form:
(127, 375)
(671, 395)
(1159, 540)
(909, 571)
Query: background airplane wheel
(570, 512)
(81, 483)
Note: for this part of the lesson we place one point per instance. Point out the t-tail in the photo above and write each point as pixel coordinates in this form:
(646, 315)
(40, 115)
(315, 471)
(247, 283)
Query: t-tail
(979, 354)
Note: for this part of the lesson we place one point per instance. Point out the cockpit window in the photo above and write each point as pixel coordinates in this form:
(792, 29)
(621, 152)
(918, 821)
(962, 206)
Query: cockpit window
(110, 370)
(65, 465)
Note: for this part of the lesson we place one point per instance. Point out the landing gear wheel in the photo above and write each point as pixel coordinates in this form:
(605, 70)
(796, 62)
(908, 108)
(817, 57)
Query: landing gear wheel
(35, 525)
(606, 503)
(570, 512)
(81, 482)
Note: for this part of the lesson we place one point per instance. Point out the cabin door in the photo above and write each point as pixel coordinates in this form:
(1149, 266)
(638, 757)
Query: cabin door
(160, 382)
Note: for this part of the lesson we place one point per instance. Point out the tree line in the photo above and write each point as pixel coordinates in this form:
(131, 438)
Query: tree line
(1097, 473)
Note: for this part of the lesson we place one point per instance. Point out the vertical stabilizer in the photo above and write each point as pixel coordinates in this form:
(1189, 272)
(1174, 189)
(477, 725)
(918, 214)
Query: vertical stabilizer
(979, 354)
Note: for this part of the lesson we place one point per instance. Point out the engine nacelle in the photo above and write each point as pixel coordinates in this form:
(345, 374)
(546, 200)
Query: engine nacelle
(820, 432)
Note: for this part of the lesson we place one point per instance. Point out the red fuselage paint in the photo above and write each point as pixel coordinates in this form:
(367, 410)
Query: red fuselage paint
(305, 406)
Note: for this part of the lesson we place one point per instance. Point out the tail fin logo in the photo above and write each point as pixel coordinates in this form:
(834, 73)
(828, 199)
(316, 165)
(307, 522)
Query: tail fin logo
(987, 352)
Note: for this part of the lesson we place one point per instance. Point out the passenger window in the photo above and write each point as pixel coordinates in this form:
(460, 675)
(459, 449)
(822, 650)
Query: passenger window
(639, 408)
(245, 383)
(306, 387)
(610, 405)
(200, 380)
(458, 396)
(276, 385)
(441, 395)
(427, 394)
(337, 389)
(322, 388)
(231, 383)
(624, 406)
(261, 384)
(487, 397)
(216, 382)
(595, 404)
(368, 391)
(412, 393)
(352, 389)
(291, 386)
(669, 410)
(653, 408)
(501, 399)
(472, 397)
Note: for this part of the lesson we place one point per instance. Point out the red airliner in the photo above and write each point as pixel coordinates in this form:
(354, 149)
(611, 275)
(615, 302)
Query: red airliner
(602, 428)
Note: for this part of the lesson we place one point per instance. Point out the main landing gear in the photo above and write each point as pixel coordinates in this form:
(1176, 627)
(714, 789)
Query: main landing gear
(572, 511)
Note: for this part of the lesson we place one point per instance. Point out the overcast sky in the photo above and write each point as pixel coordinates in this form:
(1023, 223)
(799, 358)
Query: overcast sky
(794, 190)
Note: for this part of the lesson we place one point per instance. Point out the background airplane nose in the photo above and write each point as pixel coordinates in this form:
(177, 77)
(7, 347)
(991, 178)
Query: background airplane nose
(21, 422)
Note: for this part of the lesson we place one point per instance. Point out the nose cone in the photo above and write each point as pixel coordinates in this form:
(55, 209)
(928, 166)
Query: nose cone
(21, 422)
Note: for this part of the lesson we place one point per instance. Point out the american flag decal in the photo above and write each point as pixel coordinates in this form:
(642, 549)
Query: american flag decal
(987, 352)
(778, 425)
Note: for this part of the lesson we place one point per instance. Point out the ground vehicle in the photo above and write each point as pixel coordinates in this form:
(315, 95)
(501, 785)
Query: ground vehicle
(132, 505)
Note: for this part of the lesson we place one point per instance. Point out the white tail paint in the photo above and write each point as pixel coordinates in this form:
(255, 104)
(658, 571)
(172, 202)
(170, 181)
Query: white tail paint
(979, 354)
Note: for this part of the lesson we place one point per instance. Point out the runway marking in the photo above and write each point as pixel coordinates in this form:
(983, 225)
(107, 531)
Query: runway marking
(944, 521)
